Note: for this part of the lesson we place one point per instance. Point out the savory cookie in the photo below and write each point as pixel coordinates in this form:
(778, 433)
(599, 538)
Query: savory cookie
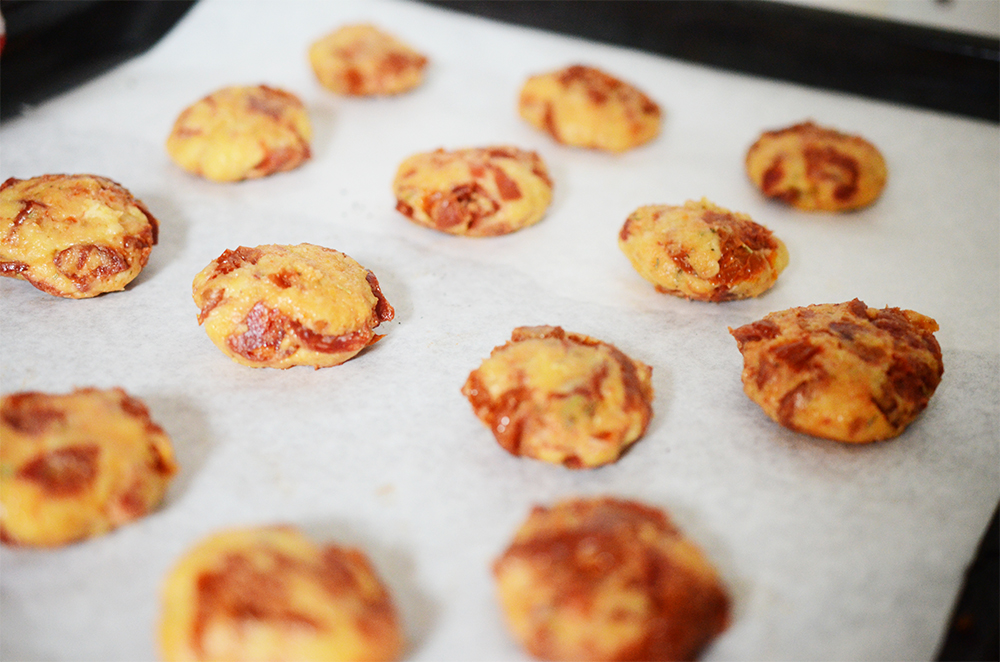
(73, 236)
(477, 192)
(269, 593)
(562, 397)
(78, 465)
(608, 579)
(841, 371)
(282, 306)
(241, 133)
(702, 251)
(817, 169)
(361, 60)
(585, 107)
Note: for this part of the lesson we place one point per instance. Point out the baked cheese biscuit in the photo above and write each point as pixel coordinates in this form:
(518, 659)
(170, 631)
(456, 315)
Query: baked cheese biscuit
(608, 579)
(73, 236)
(282, 306)
(586, 107)
(78, 465)
(241, 133)
(477, 192)
(562, 397)
(841, 371)
(269, 593)
(817, 169)
(361, 60)
(702, 251)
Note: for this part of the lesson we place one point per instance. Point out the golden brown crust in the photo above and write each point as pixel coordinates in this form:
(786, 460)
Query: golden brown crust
(241, 132)
(562, 397)
(841, 371)
(281, 306)
(608, 579)
(362, 60)
(702, 251)
(817, 169)
(78, 465)
(270, 593)
(476, 192)
(586, 107)
(73, 236)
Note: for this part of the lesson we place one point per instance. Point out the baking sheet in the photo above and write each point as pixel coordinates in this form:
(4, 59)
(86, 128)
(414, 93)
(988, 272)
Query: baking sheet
(830, 551)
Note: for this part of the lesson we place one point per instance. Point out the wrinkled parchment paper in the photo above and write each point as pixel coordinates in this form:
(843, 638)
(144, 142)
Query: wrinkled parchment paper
(830, 551)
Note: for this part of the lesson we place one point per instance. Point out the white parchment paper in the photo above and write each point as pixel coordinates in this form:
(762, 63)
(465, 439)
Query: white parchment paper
(830, 551)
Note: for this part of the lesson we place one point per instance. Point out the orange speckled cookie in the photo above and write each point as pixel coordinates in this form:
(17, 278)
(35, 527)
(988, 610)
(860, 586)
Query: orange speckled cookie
(270, 593)
(282, 306)
(361, 60)
(586, 107)
(562, 397)
(608, 579)
(702, 251)
(841, 371)
(78, 465)
(241, 133)
(73, 236)
(477, 192)
(817, 169)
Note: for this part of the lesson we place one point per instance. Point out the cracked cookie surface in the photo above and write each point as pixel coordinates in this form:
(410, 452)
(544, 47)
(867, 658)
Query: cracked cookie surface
(702, 251)
(73, 236)
(562, 397)
(844, 371)
(362, 60)
(282, 306)
(476, 192)
(78, 465)
(241, 132)
(603, 578)
(583, 106)
(270, 593)
(814, 168)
